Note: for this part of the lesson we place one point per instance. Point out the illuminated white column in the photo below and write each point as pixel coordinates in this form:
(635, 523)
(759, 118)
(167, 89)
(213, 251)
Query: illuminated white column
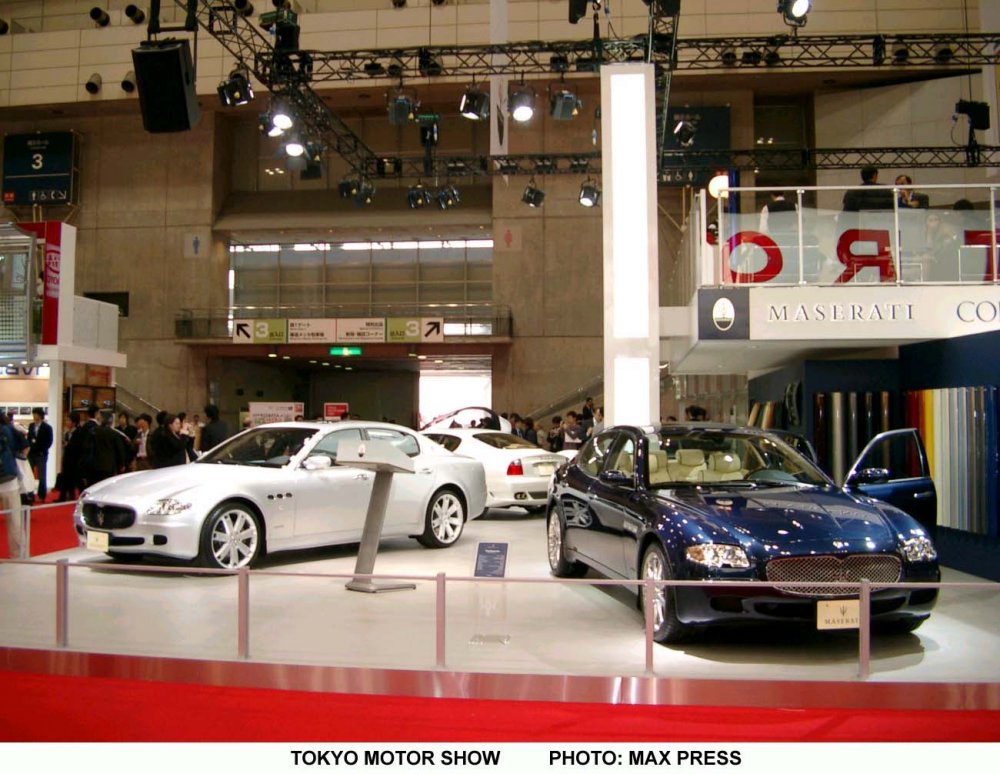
(631, 268)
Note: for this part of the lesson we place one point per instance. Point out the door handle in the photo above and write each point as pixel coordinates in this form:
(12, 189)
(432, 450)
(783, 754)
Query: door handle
(425, 470)
(362, 476)
(922, 495)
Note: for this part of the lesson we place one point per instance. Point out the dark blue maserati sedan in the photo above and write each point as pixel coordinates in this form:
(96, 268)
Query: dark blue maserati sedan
(715, 502)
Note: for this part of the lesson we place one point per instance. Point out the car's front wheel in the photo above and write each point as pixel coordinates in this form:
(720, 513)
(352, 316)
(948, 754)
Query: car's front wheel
(555, 543)
(666, 626)
(231, 537)
(444, 521)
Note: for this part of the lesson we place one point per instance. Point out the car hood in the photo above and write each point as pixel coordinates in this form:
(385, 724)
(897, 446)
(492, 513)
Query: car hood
(787, 518)
(149, 485)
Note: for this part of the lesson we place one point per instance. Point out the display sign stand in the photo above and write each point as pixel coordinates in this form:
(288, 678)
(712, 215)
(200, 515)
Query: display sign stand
(491, 601)
(385, 460)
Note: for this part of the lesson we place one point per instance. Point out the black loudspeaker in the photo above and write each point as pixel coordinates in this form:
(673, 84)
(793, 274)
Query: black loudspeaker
(164, 76)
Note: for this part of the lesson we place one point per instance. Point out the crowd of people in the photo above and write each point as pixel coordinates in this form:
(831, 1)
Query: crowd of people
(569, 431)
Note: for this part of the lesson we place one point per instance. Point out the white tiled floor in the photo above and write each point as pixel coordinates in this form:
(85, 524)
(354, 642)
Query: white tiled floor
(554, 628)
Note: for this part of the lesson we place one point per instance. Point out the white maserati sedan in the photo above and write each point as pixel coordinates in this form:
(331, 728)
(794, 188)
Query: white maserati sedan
(278, 487)
(517, 472)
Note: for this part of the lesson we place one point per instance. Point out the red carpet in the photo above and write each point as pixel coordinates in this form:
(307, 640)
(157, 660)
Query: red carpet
(37, 708)
(51, 530)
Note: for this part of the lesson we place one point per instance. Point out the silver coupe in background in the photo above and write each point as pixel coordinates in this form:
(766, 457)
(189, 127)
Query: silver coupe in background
(278, 487)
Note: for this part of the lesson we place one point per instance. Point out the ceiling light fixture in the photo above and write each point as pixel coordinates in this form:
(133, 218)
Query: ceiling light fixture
(685, 131)
(135, 14)
(100, 17)
(475, 104)
(448, 197)
(93, 84)
(236, 90)
(564, 104)
(418, 197)
(794, 12)
(402, 106)
(590, 194)
(294, 146)
(243, 7)
(533, 196)
(718, 186)
(128, 82)
(522, 103)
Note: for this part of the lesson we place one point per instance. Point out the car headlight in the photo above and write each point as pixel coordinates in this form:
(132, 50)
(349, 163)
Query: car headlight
(918, 549)
(168, 506)
(718, 555)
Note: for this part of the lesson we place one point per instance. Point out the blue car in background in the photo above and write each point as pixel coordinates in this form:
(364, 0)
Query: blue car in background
(718, 502)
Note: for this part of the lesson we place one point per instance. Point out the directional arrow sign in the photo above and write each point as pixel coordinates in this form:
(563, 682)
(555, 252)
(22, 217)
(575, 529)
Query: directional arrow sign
(432, 329)
(242, 332)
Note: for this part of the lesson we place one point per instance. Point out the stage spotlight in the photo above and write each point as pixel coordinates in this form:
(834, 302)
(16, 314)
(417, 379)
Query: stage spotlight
(365, 194)
(728, 57)
(294, 146)
(900, 52)
(943, 53)
(418, 197)
(772, 56)
(564, 104)
(243, 7)
(135, 14)
(4, 27)
(448, 197)
(718, 186)
(267, 125)
(128, 82)
(427, 64)
(374, 69)
(579, 164)
(398, 3)
(93, 84)
(794, 12)
(401, 106)
(349, 187)
(236, 90)
(475, 104)
(533, 196)
(437, 2)
(751, 56)
(100, 17)
(521, 103)
(878, 50)
(281, 115)
(590, 194)
(685, 131)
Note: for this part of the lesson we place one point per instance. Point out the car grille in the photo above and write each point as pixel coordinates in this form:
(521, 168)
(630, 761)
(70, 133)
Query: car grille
(107, 516)
(877, 568)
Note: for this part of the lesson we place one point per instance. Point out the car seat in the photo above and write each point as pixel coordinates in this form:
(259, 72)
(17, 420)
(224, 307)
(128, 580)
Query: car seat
(690, 465)
(724, 466)
(659, 467)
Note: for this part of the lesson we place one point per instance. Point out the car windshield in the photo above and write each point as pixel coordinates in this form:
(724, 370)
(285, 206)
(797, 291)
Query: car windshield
(503, 441)
(727, 457)
(269, 447)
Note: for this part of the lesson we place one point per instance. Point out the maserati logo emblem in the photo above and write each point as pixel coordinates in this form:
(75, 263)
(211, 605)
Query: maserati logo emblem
(723, 314)
(361, 450)
(100, 518)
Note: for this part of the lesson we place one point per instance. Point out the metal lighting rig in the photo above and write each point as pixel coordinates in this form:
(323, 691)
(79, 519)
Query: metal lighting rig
(293, 73)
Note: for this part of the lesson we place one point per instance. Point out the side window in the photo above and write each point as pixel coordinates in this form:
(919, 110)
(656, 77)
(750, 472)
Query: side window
(450, 442)
(623, 458)
(328, 445)
(900, 453)
(405, 442)
(592, 455)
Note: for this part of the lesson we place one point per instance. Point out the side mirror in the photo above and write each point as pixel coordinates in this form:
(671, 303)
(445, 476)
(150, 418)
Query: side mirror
(869, 476)
(616, 477)
(317, 462)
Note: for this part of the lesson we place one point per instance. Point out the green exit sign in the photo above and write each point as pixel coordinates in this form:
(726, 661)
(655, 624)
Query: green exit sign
(345, 351)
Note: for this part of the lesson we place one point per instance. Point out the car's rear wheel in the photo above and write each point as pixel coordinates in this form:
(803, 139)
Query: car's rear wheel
(231, 538)
(444, 521)
(555, 537)
(898, 626)
(666, 626)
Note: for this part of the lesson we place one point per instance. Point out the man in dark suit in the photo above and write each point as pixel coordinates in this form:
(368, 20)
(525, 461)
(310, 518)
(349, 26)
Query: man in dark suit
(871, 197)
(101, 450)
(40, 438)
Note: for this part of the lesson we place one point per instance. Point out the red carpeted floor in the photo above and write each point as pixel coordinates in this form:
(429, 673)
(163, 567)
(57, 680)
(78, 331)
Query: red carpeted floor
(51, 530)
(35, 708)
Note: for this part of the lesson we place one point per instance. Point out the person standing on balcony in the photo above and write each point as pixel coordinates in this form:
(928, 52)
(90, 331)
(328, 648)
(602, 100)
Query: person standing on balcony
(908, 198)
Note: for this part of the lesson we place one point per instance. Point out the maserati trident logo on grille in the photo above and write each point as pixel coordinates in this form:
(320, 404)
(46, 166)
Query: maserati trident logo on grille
(723, 314)
(100, 518)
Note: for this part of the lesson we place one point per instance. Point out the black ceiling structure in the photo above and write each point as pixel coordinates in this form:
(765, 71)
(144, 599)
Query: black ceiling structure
(293, 74)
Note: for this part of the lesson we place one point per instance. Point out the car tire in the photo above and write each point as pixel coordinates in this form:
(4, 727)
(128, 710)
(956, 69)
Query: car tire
(898, 626)
(534, 510)
(667, 627)
(444, 520)
(555, 544)
(231, 537)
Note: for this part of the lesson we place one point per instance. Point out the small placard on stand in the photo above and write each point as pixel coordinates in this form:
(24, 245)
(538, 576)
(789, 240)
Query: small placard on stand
(491, 598)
